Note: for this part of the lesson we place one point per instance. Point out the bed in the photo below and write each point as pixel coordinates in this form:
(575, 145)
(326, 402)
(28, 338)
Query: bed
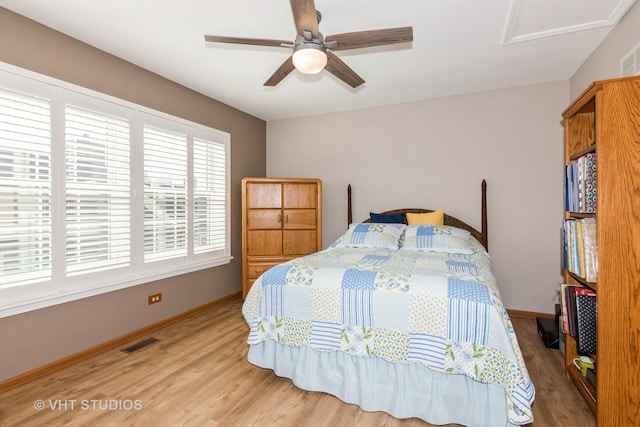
(405, 319)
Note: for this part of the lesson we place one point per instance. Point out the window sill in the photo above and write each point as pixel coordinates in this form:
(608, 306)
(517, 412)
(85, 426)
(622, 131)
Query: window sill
(54, 297)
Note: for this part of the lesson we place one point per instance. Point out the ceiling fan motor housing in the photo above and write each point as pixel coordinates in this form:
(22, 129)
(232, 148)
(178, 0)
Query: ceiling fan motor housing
(309, 56)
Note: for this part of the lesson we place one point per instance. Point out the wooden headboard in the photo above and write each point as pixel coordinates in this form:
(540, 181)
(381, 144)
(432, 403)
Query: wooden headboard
(481, 236)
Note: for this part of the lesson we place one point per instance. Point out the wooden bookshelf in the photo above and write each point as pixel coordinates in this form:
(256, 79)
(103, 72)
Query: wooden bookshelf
(605, 120)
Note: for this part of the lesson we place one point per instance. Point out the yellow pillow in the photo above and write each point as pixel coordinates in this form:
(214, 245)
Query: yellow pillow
(430, 218)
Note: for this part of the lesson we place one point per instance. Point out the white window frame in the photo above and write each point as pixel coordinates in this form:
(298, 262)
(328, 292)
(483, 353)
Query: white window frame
(62, 287)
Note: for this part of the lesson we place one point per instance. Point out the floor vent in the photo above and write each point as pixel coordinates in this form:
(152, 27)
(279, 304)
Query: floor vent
(139, 345)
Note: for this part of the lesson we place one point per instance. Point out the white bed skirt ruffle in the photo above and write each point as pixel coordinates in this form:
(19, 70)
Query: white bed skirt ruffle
(402, 390)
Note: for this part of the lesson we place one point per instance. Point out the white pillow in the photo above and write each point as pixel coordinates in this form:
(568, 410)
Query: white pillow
(437, 238)
(373, 235)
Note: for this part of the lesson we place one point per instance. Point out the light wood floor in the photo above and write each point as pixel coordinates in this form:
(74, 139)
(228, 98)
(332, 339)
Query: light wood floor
(198, 375)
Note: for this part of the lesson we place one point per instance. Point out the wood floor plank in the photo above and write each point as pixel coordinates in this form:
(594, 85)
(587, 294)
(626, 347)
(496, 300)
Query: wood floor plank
(198, 374)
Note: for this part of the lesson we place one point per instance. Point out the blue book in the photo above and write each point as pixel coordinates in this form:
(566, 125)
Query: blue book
(576, 205)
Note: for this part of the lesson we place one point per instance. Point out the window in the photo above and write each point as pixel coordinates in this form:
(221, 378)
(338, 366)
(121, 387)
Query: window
(209, 194)
(25, 189)
(98, 194)
(97, 189)
(165, 194)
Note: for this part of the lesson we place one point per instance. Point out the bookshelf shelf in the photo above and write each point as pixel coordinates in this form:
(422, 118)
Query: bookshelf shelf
(605, 120)
(575, 377)
(580, 215)
(583, 281)
(590, 149)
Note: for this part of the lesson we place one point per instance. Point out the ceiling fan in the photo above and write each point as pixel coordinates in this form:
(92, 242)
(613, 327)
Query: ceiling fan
(312, 52)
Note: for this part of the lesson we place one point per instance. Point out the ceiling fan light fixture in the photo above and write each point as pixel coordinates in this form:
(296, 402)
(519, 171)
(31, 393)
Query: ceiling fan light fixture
(309, 58)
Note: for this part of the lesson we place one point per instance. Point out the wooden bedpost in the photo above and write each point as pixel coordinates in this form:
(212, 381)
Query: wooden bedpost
(349, 212)
(485, 236)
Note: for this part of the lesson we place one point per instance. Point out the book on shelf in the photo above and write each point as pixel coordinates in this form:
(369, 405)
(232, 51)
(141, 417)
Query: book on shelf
(561, 343)
(586, 321)
(590, 249)
(578, 315)
(571, 310)
(564, 318)
(568, 309)
(580, 189)
(574, 168)
(580, 249)
(591, 391)
(567, 189)
(592, 378)
(567, 244)
(571, 230)
(574, 260)
(590, 183)
(580, 184)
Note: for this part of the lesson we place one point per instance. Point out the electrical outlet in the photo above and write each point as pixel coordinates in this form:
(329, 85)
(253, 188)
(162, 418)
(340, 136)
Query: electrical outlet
(155, 298)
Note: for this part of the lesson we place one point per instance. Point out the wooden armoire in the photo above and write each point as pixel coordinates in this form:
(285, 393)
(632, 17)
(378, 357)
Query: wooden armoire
(281, 220)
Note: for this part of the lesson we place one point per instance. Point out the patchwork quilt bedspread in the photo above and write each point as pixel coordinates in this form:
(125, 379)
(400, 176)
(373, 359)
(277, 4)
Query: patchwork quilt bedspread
(439, 309)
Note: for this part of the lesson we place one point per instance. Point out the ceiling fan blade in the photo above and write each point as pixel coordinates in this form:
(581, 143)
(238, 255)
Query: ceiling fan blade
(282, 72)
(240, 40)
(371, 38)
(338, 68)
(304, 15)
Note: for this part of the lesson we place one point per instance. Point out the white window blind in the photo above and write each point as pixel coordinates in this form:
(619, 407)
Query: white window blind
(209, 193)
(94, 190)
(98, 185)
(165, 194)
(25, 189)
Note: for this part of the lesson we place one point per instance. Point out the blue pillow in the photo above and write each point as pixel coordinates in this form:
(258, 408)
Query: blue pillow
(387, 218)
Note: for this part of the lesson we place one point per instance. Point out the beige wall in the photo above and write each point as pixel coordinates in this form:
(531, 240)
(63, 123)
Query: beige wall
(604, 62)
(434, 154)
(32, 339)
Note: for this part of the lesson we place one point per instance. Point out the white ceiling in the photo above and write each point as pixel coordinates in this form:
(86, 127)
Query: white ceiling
(459, 46)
